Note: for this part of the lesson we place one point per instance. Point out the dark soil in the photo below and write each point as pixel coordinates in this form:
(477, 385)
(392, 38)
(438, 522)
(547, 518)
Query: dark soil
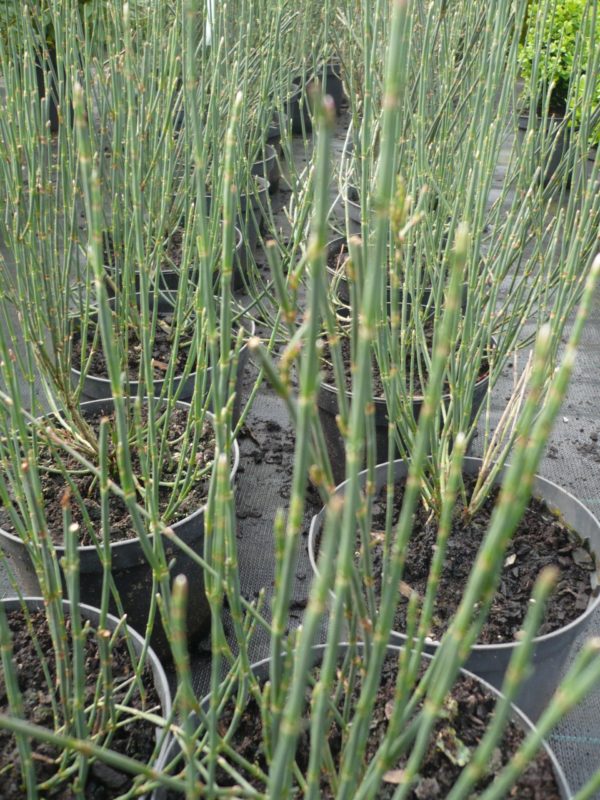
(541, 539)
(337, 256)
(54, 484)
(175, 247)
(162, 349)
(135, 740)
(466, 716)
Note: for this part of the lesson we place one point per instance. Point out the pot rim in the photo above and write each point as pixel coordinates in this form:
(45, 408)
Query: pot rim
(315, 525)
(270, 155)
(88, 548)
(103, 381)
(158, 673)
(239, 241)
(522, 720)
(381, 401)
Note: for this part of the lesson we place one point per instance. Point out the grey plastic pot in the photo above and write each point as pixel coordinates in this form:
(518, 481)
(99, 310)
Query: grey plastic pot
(340, 283)
(161, 684)
(97, 387)
(130, 570)
(261, 671)
(327, 402)
(249, 219)
(268, 168)
(489, 661)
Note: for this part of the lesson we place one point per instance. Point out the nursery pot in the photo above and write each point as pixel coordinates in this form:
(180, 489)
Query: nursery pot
(48, 67)
(557, 140)
(298, 109)
(327, 402)
(97, 387)
(267, 167)
(298, 103)
(489, 661)
(331, 77)
(168, 279)
(91, 613)
(252, 216)
(261, 671)
(337, 277)
(130, 570)
(276, 126)
(249, 223)
(351, 201)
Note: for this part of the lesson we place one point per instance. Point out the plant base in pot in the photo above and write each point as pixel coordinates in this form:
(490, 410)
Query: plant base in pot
(469, 711)
(489, 661)
(96, 383)
(135, 738)
(130, 570)
(327, 401)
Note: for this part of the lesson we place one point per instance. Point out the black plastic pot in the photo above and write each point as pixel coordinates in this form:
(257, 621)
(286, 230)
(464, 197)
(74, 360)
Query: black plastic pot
(298, 103)
(91, 613)
(268, 168)
(48, 67)
(557, 138)
(489, 661)
(351, 201)
(96, 387)
(329, 409)
(130, 570)
(298, 109)
(274, 130)
(518, 717)
(331, 78)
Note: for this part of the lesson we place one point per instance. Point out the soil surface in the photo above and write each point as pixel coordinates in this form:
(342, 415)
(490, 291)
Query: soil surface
(541, 539)
(467, 713)
(54, 484)
(337, 256)
(135, 739)
(175, 247)
(162, 349)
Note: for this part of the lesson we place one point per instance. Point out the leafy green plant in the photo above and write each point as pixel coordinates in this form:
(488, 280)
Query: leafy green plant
(558, 50)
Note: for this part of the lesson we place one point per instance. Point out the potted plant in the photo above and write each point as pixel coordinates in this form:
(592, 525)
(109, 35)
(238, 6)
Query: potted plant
(441, 560)
(156, 454)
(172, 448)
(465, 719)
(98, 683)
(558, 66)
(72, 671)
